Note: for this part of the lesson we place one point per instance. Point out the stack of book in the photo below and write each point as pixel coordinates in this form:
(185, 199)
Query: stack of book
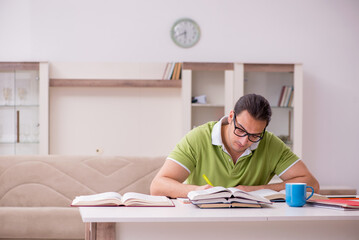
(286, 97)
(220, 197)
(172, 71)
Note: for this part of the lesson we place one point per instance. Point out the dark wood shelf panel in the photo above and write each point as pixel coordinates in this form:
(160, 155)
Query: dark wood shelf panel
(268, 67)
(202, 66)
(115, 83)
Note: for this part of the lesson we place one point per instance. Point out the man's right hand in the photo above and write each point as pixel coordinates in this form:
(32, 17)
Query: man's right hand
(203, 187)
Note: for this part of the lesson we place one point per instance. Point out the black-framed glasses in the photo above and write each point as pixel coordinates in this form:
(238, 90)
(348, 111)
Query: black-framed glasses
(241, 132)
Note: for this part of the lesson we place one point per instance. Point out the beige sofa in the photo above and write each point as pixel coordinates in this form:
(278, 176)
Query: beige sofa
(36, 191)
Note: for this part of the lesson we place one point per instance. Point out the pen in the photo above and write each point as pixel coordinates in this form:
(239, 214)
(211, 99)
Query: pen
(207, 180)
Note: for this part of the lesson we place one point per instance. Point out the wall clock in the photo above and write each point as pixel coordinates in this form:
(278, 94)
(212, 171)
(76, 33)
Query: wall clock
(185, 33)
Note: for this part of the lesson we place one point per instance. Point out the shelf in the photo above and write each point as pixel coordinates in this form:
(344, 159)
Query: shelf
(199, 66)
(268, 67)
(276, 107)
(115, 83)
(18, 106)
(206, 105)
(12, 66)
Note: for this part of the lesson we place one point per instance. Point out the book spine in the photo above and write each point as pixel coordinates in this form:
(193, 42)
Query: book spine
(289, 95)
(281, 96)
(171, 71)
(174, 72)
(165, 72)
(178, 76)
(284, 96)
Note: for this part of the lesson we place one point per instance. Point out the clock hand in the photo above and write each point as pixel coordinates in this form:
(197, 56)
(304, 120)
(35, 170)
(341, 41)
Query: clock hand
(182, 33)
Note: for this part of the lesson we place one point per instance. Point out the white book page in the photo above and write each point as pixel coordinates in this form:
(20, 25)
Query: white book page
(98, 197)
(240, 193)
(209, 193)
(144, 198)
(266, 192)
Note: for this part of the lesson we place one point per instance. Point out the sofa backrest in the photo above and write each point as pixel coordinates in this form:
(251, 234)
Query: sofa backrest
(57, 180)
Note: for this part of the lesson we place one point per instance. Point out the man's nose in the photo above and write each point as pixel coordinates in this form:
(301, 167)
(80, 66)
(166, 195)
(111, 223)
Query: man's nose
(244, 140)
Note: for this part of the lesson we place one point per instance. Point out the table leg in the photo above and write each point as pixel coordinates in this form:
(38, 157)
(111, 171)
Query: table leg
(100, 231)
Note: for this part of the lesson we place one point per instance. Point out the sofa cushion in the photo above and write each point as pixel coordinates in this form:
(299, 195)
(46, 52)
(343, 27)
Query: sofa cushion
(34, 181)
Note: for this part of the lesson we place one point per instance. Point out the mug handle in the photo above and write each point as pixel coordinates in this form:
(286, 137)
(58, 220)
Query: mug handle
(311, 193)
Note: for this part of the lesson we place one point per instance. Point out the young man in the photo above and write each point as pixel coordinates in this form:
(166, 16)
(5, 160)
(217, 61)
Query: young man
(236, 151)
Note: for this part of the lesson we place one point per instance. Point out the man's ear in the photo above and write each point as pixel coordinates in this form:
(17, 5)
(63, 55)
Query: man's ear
(230, 116)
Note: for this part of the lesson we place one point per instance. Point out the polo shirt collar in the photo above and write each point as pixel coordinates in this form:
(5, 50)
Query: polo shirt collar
(217, 138)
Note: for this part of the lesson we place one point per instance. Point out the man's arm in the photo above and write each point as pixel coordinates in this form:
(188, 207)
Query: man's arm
(297, 173)
(169, 181)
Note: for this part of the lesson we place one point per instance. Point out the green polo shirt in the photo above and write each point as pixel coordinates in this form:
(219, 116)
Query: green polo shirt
(202, 151)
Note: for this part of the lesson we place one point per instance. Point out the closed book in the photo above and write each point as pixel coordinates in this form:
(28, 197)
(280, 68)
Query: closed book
(281, 96)
(165, 73)
(170, 72)
(341, 204)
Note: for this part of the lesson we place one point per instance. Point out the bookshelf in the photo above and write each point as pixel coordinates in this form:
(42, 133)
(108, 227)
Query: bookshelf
(224, 83)
(268, 80)
(214, 80)
(115, 83)
(133, 75)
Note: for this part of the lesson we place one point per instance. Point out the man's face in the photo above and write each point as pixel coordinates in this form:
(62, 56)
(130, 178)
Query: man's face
(244, 123)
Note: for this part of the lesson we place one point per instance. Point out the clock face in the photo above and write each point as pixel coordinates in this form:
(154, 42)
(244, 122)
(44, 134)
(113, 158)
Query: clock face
(185, 33)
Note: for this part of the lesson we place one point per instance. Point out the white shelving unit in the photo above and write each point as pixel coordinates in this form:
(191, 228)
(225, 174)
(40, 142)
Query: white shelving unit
(268, 80)
(215, 81)
(24, 108)
(224, 83)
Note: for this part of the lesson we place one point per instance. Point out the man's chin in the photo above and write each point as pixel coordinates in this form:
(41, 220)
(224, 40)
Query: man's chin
(240, 147)
(240, 150)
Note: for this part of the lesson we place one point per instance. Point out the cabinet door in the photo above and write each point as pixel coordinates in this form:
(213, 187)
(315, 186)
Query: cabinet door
(19, 109)
(7, 113)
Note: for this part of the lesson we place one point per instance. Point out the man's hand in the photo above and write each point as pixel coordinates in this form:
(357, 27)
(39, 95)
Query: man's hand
(297, 173)
(203, 187)
(169, 181)
(249, 188)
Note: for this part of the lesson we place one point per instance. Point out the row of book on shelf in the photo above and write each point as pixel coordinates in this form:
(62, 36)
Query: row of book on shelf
(286, 97)
(216, 197)
(172, 71)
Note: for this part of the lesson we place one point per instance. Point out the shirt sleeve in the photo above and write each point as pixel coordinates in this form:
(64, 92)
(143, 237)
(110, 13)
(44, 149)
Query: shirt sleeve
(184, 152)
(286, 157)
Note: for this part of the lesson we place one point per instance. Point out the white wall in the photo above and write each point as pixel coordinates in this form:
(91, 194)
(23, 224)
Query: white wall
(113, 120)
(321, 34)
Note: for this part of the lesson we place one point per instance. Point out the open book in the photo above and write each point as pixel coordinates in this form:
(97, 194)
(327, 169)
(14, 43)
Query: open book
(116, 199)
(275, 196)
(222, 195)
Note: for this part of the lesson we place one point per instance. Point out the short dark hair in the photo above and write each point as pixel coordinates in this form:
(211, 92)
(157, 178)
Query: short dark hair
(256, 105)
